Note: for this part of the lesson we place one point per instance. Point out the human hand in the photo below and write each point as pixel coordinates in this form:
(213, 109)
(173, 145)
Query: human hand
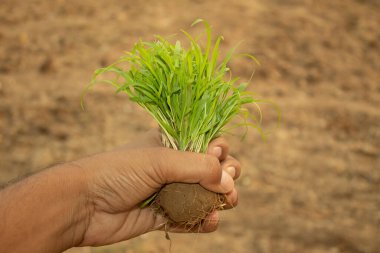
(119, 181)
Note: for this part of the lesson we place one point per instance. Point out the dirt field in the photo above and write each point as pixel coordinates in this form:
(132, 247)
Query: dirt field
(314, 186)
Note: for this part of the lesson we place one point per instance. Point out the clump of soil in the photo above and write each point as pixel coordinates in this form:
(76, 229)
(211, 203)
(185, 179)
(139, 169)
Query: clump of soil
(188, 204)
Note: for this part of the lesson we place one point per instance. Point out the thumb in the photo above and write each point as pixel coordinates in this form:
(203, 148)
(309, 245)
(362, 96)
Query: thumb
(189, 167)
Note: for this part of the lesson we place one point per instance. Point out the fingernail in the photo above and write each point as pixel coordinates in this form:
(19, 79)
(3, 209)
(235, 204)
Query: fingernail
(217, 151)
(226, 182)
(231, 170)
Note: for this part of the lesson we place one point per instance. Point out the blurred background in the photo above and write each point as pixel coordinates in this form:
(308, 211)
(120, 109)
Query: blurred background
(313, 186)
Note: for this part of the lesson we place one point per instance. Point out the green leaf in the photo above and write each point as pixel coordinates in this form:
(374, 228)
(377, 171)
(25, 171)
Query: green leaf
(190, 92)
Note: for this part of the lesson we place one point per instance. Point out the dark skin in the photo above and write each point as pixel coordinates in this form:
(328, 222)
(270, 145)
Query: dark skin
(95, 200)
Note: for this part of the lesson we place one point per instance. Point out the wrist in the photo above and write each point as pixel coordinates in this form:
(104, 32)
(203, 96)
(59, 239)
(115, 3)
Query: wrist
(82, 208)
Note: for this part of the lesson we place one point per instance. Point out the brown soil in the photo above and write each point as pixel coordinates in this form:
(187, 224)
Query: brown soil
(313, 186)
(188, 204)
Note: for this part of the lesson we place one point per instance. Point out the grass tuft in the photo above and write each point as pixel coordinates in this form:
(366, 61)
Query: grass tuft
(185, 90)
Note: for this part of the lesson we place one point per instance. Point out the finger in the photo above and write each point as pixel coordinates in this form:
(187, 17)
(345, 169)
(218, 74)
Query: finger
(232, 167)
(209, 224)
(218, 148)
(232, 199)
(189, 167)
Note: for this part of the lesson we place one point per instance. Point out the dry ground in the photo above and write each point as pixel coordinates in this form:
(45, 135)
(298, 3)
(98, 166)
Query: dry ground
(314, 186)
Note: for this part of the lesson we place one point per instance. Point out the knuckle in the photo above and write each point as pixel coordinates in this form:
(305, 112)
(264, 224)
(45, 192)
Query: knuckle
(159, 158)
(232, 161)
(213, 165)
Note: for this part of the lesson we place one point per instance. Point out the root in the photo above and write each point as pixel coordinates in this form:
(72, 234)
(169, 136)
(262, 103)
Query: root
(168, 237)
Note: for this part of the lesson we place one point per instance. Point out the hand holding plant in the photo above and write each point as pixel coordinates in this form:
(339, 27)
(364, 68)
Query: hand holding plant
(192, 96)
(96, 200)
(118, 181)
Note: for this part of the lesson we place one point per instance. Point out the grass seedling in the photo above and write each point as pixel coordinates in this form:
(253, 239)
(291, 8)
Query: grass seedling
(191, 95)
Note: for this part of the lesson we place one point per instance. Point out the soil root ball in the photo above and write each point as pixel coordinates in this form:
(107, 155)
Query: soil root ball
(185, 204)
